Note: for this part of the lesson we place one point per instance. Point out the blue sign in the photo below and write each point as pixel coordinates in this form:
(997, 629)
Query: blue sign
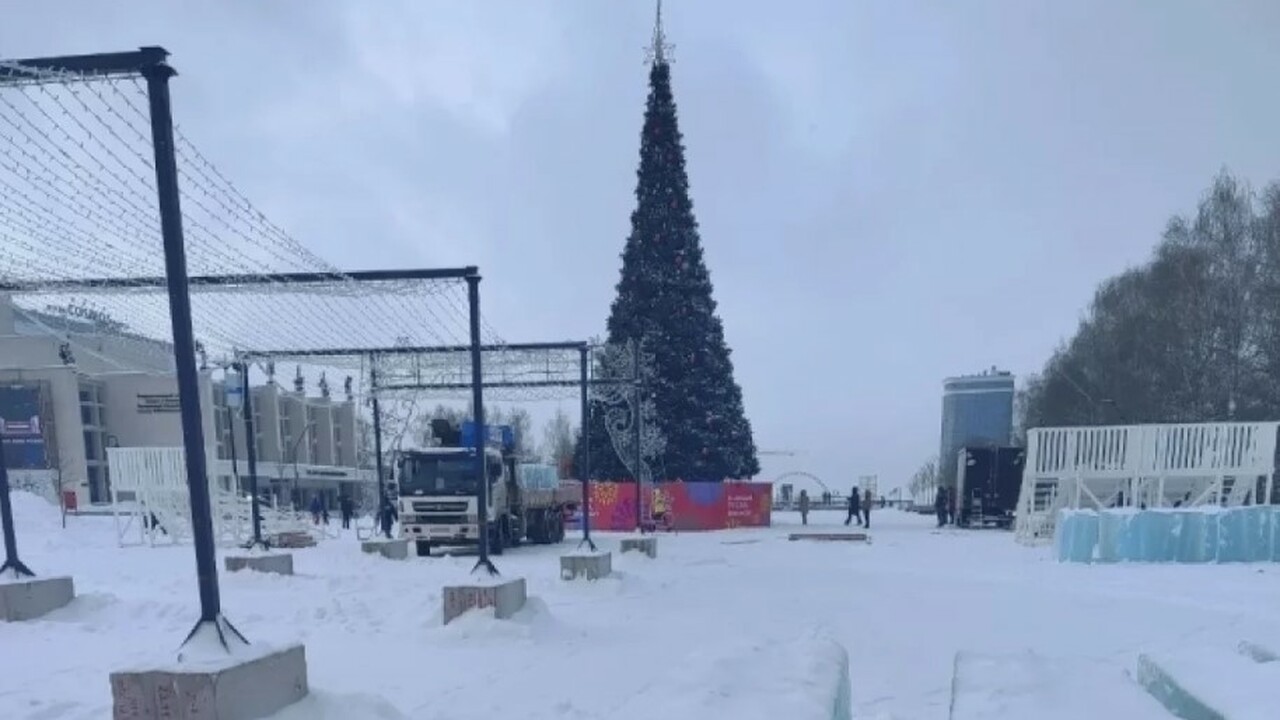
(21, 433)
(503, 436)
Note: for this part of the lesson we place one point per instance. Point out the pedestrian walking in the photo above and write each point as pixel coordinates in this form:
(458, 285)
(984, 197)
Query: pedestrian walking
(855, 507)
(804, 507)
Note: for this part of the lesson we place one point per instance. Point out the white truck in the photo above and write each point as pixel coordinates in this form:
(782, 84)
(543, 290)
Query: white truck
(437, 503)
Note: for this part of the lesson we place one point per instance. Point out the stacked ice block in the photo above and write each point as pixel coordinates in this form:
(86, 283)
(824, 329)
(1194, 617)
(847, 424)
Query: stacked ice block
(1187, 535)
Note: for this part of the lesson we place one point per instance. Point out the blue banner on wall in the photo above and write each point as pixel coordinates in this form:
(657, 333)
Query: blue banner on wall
(21, 429)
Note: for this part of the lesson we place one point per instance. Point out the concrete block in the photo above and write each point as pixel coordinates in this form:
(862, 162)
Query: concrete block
(32, 597)
(506, 597)
(646, 545)
(248, 689)
(591, 566)
(389, 549)
(831, 537)
(279, 563)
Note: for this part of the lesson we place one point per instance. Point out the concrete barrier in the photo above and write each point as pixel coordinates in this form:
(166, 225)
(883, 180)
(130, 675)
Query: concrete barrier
(238, 689)
(505, 596)
(389, 549)
(646, 545)
(30, 598)
(278, 563)
(591, 566)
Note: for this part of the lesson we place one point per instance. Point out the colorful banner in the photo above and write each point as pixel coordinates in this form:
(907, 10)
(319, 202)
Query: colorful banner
(692, 506)
(21, 436)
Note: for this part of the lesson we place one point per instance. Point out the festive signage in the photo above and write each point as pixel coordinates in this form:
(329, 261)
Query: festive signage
(691, 506)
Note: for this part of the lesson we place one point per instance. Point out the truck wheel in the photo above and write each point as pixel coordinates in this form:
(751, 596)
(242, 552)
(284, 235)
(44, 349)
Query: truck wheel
(424, 548)
(557, 529)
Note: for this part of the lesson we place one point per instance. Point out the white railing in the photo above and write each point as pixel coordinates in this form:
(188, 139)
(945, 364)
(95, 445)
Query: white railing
(1142, 465)
(151, 503)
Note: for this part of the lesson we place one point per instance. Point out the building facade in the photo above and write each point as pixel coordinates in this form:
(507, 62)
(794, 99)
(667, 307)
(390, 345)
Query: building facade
(70, 389)
(976, 410)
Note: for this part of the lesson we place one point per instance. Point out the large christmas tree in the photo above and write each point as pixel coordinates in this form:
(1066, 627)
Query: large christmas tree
(664, 300)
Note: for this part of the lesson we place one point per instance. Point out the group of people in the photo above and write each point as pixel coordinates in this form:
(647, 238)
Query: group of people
(320, 510)
(859, 507)
(386, 515)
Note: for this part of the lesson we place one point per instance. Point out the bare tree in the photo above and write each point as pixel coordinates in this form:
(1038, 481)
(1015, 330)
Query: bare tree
(559, 439)
(1192, 335)
(924, 483)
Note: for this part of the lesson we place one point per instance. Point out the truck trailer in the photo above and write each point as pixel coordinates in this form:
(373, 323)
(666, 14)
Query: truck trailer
(988, 480)
(438, 504)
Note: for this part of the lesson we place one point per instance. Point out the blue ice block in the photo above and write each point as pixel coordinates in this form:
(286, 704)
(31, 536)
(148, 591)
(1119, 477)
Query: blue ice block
(1275, 534)
(1233, 537)
(1129, 546)
(1257, 532)
(1192, 547)
(1152, 531)
(1084, 538)
(1111, 525)
(1076, 536)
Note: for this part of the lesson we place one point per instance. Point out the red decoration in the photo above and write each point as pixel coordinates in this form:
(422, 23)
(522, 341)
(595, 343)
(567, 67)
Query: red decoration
(694, 506)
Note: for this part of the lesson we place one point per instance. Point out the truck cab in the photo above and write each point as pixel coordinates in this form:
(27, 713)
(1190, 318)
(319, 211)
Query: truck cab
(437, 487)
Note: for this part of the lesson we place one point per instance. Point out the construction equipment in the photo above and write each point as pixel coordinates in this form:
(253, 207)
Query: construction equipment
(437, 489)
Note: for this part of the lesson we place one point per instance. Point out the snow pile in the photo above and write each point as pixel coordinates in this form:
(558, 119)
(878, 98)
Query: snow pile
(34, 516)
(716, 627)
(1212, 682)
(1026, 685)
(801, 679)
(1184, 535)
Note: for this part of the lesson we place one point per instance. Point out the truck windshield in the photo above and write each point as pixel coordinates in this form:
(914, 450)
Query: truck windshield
(438, 476)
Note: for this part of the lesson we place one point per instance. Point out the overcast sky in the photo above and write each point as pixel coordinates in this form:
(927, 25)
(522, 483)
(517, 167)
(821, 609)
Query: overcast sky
(889, 192)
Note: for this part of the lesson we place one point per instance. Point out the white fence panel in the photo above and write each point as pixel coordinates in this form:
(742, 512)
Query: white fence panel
(1143, 465)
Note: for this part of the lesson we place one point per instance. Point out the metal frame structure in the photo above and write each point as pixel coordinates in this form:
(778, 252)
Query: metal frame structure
(150, 63)
(1230, 463)
(411, 377)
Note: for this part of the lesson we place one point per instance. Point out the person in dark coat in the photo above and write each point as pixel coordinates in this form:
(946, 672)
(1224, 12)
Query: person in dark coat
(315, 509)
(388, 515)
(867, 502)
(940, 506)
(804, 507)
(347, 508)
(855, 507)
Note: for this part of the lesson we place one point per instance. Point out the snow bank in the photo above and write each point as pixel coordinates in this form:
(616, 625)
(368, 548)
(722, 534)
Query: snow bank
(1027, 685)
(1212, 682)
(1185, 535)
(804, 679)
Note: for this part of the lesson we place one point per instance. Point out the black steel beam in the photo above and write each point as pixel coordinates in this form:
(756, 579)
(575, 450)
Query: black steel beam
(300, 278)
(99, 65)
(502, 384)
(412, 350)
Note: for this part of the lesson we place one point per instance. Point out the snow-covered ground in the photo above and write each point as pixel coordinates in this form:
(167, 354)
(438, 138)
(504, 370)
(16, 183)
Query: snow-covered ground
(674, 637)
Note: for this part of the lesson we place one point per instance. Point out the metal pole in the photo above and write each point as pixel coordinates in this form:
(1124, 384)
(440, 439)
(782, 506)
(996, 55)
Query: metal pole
(251, 456)
(477, 399)
(635, 431)
(584, 462)
(184, 351)
(377, 440)
(11, 561)
(231, 444)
